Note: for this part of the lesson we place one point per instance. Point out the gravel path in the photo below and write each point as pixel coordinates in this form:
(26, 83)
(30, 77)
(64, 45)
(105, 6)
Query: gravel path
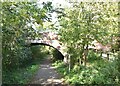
(47, 75)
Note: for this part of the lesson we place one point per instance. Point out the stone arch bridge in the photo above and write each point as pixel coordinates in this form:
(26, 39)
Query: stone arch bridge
(50, 39)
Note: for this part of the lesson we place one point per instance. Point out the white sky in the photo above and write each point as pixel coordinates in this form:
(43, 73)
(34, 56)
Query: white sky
(55, 4)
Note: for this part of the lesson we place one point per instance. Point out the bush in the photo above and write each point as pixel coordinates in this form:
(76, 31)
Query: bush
(101, 72)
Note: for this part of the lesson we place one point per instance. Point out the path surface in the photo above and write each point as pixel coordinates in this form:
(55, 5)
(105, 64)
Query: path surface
(47, 75)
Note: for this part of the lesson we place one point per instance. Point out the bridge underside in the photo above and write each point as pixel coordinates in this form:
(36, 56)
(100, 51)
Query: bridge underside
(59, 54)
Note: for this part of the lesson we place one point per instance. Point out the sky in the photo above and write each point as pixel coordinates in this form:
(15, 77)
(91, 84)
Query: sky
(55, 3)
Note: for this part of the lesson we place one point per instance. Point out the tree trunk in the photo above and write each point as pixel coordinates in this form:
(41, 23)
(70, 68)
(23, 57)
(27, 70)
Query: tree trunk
(69, 63)
(107, 56)
(84, 55)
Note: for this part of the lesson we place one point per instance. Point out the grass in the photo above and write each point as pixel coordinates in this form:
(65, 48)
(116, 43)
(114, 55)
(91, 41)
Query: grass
(22, 75)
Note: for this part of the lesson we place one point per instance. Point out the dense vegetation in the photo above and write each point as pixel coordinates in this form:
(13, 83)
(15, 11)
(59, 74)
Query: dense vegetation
(99, 71)
(17, 20)
(87, 22)
(80, 25)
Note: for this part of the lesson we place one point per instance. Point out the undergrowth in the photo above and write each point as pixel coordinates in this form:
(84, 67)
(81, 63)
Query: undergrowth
(21, 75)
(100, 72)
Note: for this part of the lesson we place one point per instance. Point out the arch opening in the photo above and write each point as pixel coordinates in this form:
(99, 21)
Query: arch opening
(57, 55)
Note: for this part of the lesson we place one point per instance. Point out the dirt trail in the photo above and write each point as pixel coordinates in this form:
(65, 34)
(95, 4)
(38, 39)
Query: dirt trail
(47, 75)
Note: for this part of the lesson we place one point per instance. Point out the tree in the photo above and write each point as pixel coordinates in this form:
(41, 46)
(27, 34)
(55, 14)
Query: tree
(85, 22)
(17, 20)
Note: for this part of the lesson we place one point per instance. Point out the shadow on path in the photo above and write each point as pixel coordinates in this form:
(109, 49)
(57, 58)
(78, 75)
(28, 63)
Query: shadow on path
(47, 75)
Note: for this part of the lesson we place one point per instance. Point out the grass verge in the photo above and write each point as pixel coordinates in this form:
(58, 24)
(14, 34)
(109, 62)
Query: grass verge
(21, 75)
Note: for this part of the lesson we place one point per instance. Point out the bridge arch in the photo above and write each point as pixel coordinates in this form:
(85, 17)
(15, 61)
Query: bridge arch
(60, 55)
(49, 39)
